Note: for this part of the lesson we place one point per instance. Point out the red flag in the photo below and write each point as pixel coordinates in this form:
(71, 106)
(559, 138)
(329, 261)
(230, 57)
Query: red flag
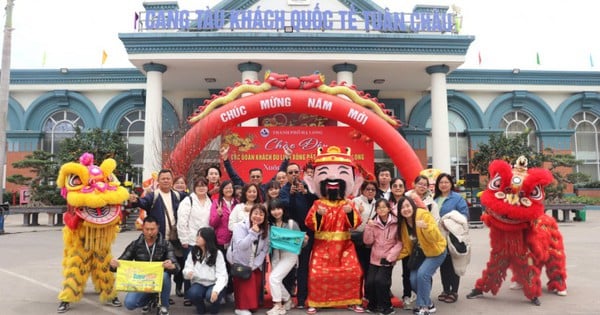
(479, 56)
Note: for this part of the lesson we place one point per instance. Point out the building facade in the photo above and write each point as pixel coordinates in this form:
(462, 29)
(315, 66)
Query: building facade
(409, 61)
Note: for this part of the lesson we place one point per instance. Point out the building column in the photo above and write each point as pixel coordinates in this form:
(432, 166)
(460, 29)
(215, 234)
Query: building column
(153, 122)
(439, 118)
(345, 73)
(250, 72)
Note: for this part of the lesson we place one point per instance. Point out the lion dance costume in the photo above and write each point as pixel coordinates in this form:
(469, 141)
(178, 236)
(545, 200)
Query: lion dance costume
(94, 198)
(522, 236)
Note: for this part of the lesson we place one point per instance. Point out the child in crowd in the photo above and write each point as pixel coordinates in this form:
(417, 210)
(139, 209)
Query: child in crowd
(382, 235)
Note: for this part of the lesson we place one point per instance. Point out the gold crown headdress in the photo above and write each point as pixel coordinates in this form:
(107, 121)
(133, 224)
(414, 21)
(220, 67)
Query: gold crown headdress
(333, 155)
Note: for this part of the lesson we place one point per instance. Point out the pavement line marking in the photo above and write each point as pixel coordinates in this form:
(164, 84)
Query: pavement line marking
(95, 303)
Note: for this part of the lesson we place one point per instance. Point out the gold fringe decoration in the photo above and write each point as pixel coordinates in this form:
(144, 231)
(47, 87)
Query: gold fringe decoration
(88, 250)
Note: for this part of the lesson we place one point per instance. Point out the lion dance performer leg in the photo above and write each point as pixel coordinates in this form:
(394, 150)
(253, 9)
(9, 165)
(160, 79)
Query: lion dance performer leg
(522, 236)
(94, 198)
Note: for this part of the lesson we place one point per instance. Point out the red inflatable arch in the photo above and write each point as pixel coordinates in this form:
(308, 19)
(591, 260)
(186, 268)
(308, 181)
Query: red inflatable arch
(295, 101)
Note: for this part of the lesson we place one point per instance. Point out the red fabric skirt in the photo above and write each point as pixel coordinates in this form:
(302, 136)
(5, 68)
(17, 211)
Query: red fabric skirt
(247, 291)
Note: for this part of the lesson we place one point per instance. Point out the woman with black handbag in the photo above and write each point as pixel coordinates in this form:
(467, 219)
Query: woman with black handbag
(249, 247)
(421, 238)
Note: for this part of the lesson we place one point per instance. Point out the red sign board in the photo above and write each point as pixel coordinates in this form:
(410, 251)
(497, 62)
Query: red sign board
(262, 147)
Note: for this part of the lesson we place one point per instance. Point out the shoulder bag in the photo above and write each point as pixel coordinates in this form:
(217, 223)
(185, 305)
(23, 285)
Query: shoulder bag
(242, 271)
(417, 257)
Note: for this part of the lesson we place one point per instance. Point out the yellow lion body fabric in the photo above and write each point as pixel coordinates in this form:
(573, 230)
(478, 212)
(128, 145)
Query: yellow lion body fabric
(94, 198)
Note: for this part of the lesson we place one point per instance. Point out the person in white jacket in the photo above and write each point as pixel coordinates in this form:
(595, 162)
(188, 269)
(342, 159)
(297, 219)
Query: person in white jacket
(193, 213)
(205, 268)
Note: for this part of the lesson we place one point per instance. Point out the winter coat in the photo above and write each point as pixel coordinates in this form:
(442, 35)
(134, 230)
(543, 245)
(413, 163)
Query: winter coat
(454, 201)
(430, 239)
(242, 249)
(456, 224)
(191, 216)
(207, 275)
(163, 250)
(367, 213)
(383, 239)
(220, 222)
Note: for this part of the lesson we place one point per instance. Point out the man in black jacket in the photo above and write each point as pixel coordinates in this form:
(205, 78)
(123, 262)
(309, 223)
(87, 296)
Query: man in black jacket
(150, 246)
(298, 200)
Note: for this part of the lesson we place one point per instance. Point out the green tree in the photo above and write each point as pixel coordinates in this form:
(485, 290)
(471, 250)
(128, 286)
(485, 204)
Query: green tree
(510, 148)
(43, 189)
(506, 148)
(102, 144)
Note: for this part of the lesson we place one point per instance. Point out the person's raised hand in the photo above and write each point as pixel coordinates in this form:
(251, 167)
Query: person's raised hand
(287, 152)
(133, 197)
(321, 210)
(224, 151)
(347, 208)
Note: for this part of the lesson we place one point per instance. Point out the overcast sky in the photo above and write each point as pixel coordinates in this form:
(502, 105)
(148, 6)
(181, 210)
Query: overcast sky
(509, 33)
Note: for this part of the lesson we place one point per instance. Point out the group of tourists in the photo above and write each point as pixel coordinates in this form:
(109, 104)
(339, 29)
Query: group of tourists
(217, 245)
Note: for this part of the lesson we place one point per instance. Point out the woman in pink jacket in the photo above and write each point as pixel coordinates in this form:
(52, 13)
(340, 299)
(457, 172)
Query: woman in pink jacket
(219, 220)
(381, 233)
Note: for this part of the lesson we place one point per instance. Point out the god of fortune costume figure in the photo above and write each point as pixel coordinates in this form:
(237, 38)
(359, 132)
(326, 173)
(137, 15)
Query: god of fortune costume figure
(335, 274)
(94, 198)
(522, 236)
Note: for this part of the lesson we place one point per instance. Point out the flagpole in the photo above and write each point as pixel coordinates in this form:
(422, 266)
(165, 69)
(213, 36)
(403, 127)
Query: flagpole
(4, 92)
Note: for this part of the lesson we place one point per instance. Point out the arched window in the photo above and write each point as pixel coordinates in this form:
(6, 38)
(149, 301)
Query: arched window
(131, 127)
(59, 126)
(517, 122)
(586, 143)
(459, 145)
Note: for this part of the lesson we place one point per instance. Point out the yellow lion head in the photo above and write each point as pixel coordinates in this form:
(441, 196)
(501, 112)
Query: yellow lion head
(93, 192)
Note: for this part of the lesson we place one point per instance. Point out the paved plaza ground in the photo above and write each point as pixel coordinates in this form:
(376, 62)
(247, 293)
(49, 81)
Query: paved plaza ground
(30, 273)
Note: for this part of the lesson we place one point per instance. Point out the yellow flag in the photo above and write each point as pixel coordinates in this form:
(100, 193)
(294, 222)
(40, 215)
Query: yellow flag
(139, 276)
(44, 58)
(104, 56)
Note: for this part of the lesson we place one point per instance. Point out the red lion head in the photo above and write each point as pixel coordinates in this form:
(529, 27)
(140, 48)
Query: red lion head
(515, 195)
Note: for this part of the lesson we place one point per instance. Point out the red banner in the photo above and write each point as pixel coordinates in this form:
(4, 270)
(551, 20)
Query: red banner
(262, 147)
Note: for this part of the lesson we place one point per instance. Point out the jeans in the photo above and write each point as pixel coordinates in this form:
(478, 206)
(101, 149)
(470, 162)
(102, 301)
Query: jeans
(134, 300)
(200, 294)
(420, 279)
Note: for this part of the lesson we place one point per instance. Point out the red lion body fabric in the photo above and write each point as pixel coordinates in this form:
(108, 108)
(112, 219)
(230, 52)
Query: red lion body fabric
(522, 236)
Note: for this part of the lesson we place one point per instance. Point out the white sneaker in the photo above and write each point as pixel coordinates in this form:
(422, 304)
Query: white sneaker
(515, 286)
(242, 312)
(561, 293)
(277, 310)
(406, 303)
(288, 305)
(164, 311)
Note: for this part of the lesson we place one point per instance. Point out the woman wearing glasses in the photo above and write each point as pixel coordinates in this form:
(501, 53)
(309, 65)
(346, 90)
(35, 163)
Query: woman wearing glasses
(423, 197)
(398, 187)
(365, 203)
